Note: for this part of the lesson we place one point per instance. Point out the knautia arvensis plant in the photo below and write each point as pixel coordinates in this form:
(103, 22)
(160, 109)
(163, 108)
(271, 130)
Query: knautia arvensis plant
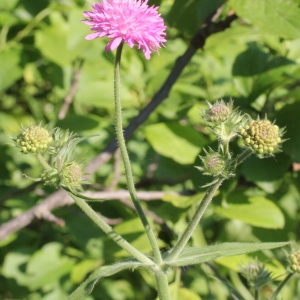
(134, 22)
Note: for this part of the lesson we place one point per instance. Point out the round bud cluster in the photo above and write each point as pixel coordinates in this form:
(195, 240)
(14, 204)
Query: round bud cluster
(295, 261)
(218, 112)
(72, 175)
(213, 164)
(256, 274)
(262, 136)
(34, 139)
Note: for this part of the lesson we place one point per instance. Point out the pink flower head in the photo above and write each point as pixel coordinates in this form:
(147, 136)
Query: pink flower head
(131, 21)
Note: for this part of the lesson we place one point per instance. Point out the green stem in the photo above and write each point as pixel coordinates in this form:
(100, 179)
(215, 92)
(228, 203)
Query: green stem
(35, 21)
(282, 284)
(126, 161)
(162, 285)
(194, 222)
(110, 232)
(245, 154)
(43, 162)
(175, 252)
(256, 294)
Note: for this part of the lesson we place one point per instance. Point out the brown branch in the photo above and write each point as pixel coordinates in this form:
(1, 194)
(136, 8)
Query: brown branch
(117, 171)
(60, 198)
(69, 98)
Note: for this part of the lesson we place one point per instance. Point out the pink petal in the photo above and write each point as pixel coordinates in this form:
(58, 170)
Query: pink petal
(113, 44)
(92, 36)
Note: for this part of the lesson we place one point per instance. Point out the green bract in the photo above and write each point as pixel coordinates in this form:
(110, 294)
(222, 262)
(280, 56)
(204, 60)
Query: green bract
(213, 163)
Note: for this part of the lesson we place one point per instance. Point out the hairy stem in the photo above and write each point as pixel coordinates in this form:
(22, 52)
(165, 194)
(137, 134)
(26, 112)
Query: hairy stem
(282, 284)
(110, 232)
(126, 161)
(194, 222)
(181, 243)
(43, 162)
(162, 285)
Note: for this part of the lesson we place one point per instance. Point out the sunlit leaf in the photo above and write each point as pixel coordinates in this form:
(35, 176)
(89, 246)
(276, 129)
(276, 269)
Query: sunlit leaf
(198, 255)
(88, 285)
(258, 211)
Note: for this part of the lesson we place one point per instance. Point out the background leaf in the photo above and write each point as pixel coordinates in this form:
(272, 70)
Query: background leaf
(258, 211)
(279, 17)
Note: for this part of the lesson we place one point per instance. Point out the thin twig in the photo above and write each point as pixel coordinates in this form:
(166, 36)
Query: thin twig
(69, 98)
(117, 171)
(61, 198)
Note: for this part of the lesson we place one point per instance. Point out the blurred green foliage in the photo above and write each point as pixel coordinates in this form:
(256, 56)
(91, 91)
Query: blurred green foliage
(255, 61)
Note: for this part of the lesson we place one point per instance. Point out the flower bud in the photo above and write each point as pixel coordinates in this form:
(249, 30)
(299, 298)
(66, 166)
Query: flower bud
(295, 261)
(213, 164)
(33, 139)
(255, 274)
(219, 112)
(263, 137)
(223, 120)
(72, 175)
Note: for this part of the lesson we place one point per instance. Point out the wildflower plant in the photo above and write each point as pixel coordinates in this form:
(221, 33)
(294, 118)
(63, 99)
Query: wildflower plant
(133, 22)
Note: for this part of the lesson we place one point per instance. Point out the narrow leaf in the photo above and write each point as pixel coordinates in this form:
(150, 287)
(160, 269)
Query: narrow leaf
(88, 285)
(198, 255)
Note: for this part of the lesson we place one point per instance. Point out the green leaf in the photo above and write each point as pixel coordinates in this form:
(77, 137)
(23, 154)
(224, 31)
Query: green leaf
(181, 143)
(12, 267)
(178, 292)
(288, 117)
(78, 123)
(11, 69)
(88, 285)
(266, 173)
(182, 201)
(47, 266)
(187, 16)
(198, 255)
(81, 269)
(258, 211)
(62, 41)
(278, 17)
(100, 94)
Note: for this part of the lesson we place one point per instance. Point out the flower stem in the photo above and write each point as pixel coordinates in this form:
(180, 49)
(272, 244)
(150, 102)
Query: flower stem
(175, 252)
(126, 161)
(110, 232)
(194, 222)
(282, 284)
(43, 162)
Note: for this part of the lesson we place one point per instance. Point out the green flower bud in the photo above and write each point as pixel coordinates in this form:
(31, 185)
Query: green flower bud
(33, 139)
(263, 137)
(219, 112)
(51, 178)
(295, 261)
(223, 120)
(255, 274)
(72, 175)
(213, 164)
